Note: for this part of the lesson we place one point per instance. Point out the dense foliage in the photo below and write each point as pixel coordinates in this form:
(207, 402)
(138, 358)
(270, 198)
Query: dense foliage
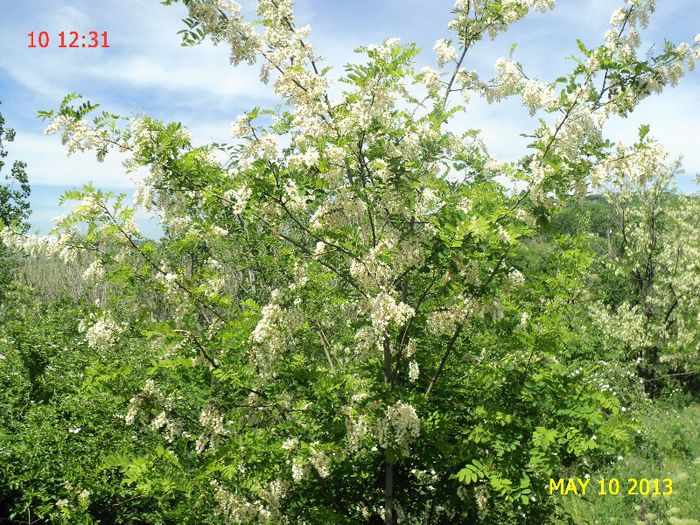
(355, 314)
(14, 192)
(14, 200)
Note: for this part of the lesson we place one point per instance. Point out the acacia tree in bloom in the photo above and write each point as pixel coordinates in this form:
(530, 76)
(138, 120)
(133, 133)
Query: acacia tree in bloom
(344, 276)
(654, 256)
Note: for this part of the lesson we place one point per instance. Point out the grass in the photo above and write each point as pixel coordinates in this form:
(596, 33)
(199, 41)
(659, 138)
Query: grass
(669, 448)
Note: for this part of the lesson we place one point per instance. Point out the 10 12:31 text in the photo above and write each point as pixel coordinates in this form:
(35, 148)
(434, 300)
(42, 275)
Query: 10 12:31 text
(69, 39)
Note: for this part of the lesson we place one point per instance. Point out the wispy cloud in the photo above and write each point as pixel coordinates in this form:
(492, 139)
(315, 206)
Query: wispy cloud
(49, 166)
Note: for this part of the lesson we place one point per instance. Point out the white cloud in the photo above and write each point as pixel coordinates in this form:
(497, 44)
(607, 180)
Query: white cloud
(199, 73)
(51, 167)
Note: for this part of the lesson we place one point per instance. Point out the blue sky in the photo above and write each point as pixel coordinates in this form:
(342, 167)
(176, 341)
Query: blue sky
(147, 71)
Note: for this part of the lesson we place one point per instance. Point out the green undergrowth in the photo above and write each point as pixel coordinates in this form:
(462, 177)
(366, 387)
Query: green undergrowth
(669, 447)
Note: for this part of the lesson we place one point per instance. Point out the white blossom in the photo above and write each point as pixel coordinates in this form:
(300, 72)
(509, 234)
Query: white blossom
(290, 444)
(430, 78)
(240, 198)
(385, 310)
(357, 429)
(298, 470)
(538, 96)
(384, 50)
(413, 371)
(102, 333)
(445, 52)
(95, 272)
(319, 460)
(269, 330)
(399, 427)
(240, 127)
(508, 81)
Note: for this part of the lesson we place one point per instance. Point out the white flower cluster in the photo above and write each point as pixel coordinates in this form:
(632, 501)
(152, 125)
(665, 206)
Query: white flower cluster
(537, 95)
(446, 321)
(90, 206)
(95, 272)
(276, 328)
(290, 444)
(240, 127)
(623, 40)
(524, 318)
(357, 429)
(235, 509)
(211, 420)
(40, 246)
(428, 203)
(540, 5)
(503, 234)
(101, 333)
(370, 271)
(78, 136)
(270, 329)
(264, 147)
(485, 21)
(539, 173)
(631, 18)
(240, 198)
(514, 278)
(385, 310)
(465, 205)
(384, 50)
(366, 339)
(509, 81)
(467, 80)
(413, 371)
(399, 427)
(295, 199)
(274, 492)
(245, 43)
(308, 158)
(319, 460)
(430, 79)
(410, 348)
(170, 427)
(409, 254)
(579, 126)
(170, 283)
(442, 322)
(149, 395)
(84, 499)
(298, 470)
(626, 324)
(217, 232)
(141, 132)
(213, 424)
(445, 52)
(635, 165)
(343, 210)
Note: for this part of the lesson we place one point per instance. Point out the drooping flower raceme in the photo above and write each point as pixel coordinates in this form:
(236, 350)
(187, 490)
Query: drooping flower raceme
(399, 427)
(445, 52)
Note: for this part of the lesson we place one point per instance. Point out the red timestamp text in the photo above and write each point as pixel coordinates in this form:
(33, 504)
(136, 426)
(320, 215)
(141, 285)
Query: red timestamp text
(69, 39)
